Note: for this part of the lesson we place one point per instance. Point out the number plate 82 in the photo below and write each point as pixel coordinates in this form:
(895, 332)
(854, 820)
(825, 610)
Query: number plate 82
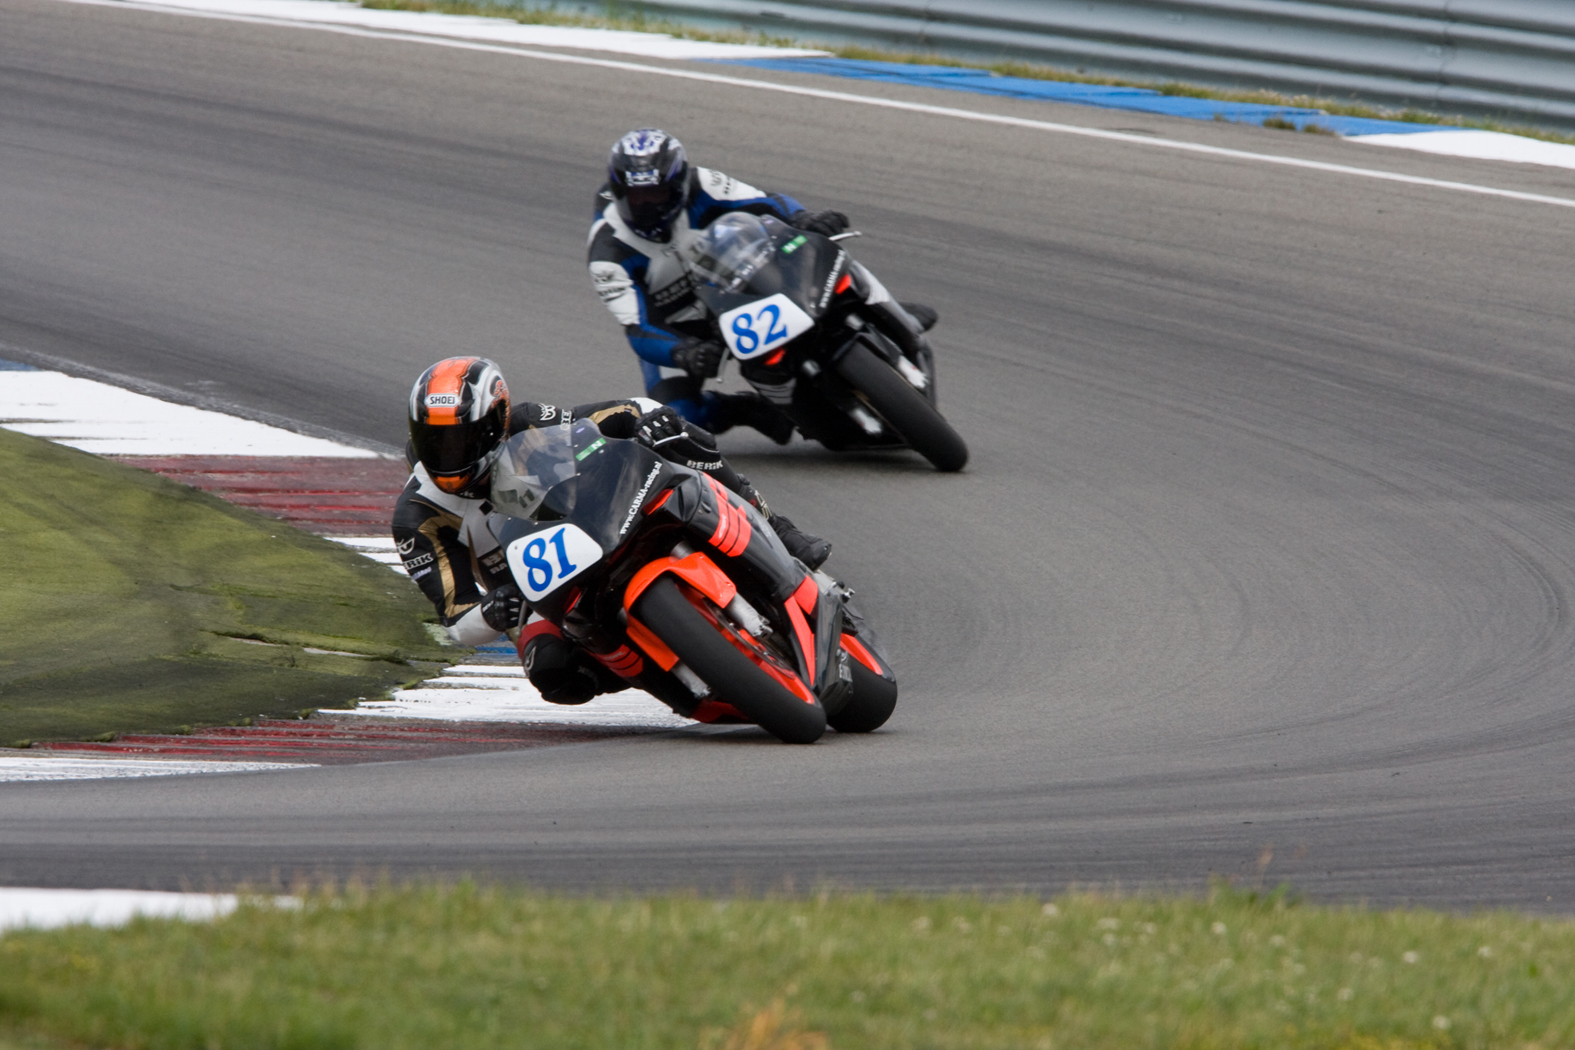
(764, 326)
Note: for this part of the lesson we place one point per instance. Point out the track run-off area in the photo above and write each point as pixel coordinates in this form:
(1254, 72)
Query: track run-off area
(1261, 566)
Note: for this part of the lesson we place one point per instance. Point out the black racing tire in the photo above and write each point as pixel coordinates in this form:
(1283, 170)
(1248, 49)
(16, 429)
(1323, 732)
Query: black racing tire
(904, 408)
(732, 676)
(874, 698)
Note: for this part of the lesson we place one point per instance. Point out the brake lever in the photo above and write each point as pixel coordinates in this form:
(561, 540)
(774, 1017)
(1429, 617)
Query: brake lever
(845, 236)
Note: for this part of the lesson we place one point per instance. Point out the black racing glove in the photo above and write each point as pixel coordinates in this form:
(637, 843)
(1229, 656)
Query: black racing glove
(701, 358)
(825, 223)
(501, 606)
(561, 671)
(659, 426)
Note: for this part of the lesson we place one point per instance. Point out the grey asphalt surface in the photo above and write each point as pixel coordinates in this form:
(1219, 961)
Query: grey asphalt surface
(1266, 542)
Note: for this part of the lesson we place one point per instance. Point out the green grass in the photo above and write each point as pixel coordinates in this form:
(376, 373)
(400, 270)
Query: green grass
(132, 603)
(461, 967)
(636, 20)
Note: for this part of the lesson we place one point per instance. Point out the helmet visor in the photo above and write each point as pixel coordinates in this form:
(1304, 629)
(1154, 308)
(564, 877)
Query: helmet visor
(453, 449)
(650, 207)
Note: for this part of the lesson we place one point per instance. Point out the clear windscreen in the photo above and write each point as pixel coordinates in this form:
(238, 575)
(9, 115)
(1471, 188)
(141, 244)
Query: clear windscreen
(731, 250)
(534, 463)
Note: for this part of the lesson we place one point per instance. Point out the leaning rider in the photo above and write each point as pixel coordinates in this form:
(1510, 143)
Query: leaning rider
(647, 212)
(460, 416)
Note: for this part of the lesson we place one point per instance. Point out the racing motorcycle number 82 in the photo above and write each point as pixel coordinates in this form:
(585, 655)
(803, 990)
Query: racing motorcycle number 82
(762, 326)
(544, 560)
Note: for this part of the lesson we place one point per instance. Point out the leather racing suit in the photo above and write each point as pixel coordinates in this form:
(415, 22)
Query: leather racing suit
(645, 285)
(448, 550)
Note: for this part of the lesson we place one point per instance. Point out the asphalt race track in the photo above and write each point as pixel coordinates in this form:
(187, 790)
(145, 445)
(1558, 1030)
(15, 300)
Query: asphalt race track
(1268, 538)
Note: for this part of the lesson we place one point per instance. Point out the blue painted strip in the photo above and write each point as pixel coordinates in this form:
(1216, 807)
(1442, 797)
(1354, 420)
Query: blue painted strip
(15, 366)
(1143, 100)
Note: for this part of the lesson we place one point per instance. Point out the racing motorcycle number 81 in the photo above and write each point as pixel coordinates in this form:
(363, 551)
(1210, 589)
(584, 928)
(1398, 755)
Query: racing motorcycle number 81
(544, 560)
(764, 325)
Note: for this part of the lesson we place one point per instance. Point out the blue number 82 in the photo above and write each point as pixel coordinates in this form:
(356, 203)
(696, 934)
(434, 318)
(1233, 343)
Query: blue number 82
(744, 333)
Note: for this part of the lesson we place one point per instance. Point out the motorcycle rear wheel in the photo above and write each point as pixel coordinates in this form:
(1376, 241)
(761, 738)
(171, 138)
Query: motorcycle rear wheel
(733, 677)
(874, 699)
(904, 408)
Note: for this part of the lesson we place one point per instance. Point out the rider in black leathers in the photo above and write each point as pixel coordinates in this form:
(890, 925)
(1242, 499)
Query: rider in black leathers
(460, 415)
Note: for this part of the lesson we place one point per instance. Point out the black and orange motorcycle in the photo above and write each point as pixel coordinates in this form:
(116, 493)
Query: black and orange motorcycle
(682, 589)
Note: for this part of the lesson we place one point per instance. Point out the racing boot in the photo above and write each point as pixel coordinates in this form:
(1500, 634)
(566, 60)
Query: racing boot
(752, 410)
(925, 315)
(807, 548)
(811, 550)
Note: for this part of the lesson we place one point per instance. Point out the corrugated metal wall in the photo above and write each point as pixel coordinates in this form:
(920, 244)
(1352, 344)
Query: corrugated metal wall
(1514, 57)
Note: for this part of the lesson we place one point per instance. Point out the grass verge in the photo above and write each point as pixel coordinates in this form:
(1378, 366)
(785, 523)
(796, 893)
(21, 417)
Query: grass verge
(462, 966)
(637, 21)
(132, 603)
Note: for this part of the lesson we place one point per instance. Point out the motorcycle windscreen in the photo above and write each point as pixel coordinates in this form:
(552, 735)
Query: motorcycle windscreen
(727, 254)
(616, 479)
(533, 477)
(803, 267)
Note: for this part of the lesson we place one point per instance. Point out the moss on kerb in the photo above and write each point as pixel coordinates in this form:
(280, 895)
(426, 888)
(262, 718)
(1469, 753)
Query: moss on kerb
(638, 21)
(129, 601)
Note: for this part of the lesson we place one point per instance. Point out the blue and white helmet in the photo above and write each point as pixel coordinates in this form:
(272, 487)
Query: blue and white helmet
(648, 174)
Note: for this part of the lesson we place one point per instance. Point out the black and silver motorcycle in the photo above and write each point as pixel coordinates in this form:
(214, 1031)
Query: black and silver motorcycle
(681, 588)
(813, 333)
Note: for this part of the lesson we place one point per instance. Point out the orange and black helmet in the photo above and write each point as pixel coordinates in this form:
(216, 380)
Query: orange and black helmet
(459, 416)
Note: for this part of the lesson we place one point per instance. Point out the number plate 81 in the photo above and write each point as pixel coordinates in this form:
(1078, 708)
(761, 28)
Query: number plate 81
(542, 561)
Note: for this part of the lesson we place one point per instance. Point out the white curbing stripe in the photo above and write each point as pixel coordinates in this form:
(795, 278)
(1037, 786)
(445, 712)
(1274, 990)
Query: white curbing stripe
(42, 909)
(379, 548)
(500, 693)
(1479, 145)
(111, 421)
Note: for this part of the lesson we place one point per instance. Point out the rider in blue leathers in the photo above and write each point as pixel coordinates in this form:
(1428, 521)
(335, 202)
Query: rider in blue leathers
(647, 212)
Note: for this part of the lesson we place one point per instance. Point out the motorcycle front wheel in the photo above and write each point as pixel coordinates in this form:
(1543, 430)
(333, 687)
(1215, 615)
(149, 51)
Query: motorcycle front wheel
(701, 641)
(903, 408)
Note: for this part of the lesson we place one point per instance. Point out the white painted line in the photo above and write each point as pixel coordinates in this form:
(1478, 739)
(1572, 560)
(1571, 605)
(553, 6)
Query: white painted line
(31, 766)
(379, 548)
(46, 909)
(871, 100)
(1480, 145)
(500, 693)
(498, 30)
(111, 421)
(486, 670)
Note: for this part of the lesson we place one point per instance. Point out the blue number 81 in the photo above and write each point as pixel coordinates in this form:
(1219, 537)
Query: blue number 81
(536, 562)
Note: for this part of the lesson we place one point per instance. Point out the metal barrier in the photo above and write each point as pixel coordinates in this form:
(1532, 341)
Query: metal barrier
(1510, 57)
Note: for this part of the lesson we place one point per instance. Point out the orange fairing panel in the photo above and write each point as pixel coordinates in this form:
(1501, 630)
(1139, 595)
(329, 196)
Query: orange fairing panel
(654, 647)
(807, 595)
(732, 525)
(860, 653)
(806, 638)
(717, 711)
(696, 570)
